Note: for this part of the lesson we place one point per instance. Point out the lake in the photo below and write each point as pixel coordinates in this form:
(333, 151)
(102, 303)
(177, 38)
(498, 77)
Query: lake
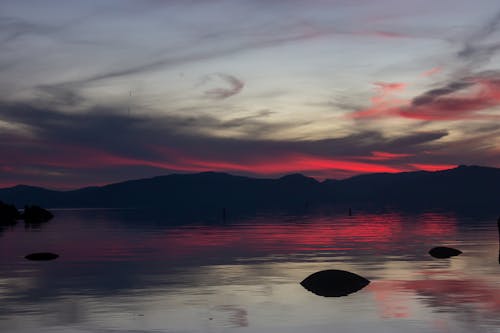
(121, 271)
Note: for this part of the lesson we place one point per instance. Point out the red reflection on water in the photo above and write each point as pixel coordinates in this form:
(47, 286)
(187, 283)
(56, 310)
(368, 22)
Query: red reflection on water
(364, 231)
(435, 224)
(452, 293)
(457, 292)
(319, 234)
(389, 302)
(371, 233)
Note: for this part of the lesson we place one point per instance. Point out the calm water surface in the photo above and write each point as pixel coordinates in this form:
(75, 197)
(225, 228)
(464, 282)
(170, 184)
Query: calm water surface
(121, 272)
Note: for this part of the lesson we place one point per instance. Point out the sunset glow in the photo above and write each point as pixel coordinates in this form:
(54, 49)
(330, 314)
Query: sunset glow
(98, 92)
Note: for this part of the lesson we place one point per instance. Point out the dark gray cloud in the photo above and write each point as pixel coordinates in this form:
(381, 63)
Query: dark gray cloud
(431, 95)
(12, 28)
(477, 49)
(235, 86)
(111, 129)
(413, 141)
(59, 96)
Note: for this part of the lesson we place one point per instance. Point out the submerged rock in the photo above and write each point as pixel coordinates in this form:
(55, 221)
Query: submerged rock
(36, 214)
(42, 256)
(334, 283)
(442, 252)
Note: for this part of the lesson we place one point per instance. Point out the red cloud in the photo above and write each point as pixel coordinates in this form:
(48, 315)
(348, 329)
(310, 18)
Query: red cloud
(464, 106)
(390, 34)
(432, 71)
(385, 89)
(433, 167)
(78, 157)
(473, 95)
(384, 156)
(382, 101)
(74, 157)
(285, 163)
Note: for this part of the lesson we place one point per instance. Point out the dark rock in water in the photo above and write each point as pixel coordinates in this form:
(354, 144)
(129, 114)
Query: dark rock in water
(442, 252)
(36, 214)
(334, 283)
(8, 214)
(42, 256)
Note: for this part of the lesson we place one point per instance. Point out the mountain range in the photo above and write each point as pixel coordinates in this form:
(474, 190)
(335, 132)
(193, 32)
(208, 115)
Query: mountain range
(464, 187)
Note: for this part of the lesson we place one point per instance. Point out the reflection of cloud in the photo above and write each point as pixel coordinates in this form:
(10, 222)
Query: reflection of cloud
(390, 303)
(238, 315)
(446, 293)
(443, 290)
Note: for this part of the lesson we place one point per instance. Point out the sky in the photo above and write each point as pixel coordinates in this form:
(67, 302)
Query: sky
(100, 91)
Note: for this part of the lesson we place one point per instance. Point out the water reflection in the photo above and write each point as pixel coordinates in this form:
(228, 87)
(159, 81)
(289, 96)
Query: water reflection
(134, 274)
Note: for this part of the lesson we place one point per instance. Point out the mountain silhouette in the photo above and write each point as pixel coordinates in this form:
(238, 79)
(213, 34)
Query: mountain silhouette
(465, 186)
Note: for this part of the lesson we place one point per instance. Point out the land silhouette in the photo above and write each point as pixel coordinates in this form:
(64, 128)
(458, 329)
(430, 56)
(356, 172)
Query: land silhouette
(33, 214)
(465, 187)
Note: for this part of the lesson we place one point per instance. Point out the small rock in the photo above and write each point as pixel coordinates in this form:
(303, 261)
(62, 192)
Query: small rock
(334, 283)
(42, 256)
(442, 252)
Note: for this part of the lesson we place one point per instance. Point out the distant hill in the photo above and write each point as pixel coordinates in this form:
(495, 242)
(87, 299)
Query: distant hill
(465, 186)
(462, 187)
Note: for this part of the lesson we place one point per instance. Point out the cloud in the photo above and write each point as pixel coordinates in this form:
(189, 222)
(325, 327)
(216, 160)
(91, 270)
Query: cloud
(418, 138)
(433, 167)
(382, 101)
(465, 98)
(433, 71)
(107, 145)
(201, 47)
(12, 28)
(384, 156)
(474, 50)
(431, 95)
(58, 95)
(235, 86)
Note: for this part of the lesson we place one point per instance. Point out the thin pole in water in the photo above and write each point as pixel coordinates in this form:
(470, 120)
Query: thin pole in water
(498, 225)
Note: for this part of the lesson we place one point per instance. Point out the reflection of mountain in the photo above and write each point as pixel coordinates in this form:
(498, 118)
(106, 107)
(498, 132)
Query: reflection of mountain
(465, 187)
